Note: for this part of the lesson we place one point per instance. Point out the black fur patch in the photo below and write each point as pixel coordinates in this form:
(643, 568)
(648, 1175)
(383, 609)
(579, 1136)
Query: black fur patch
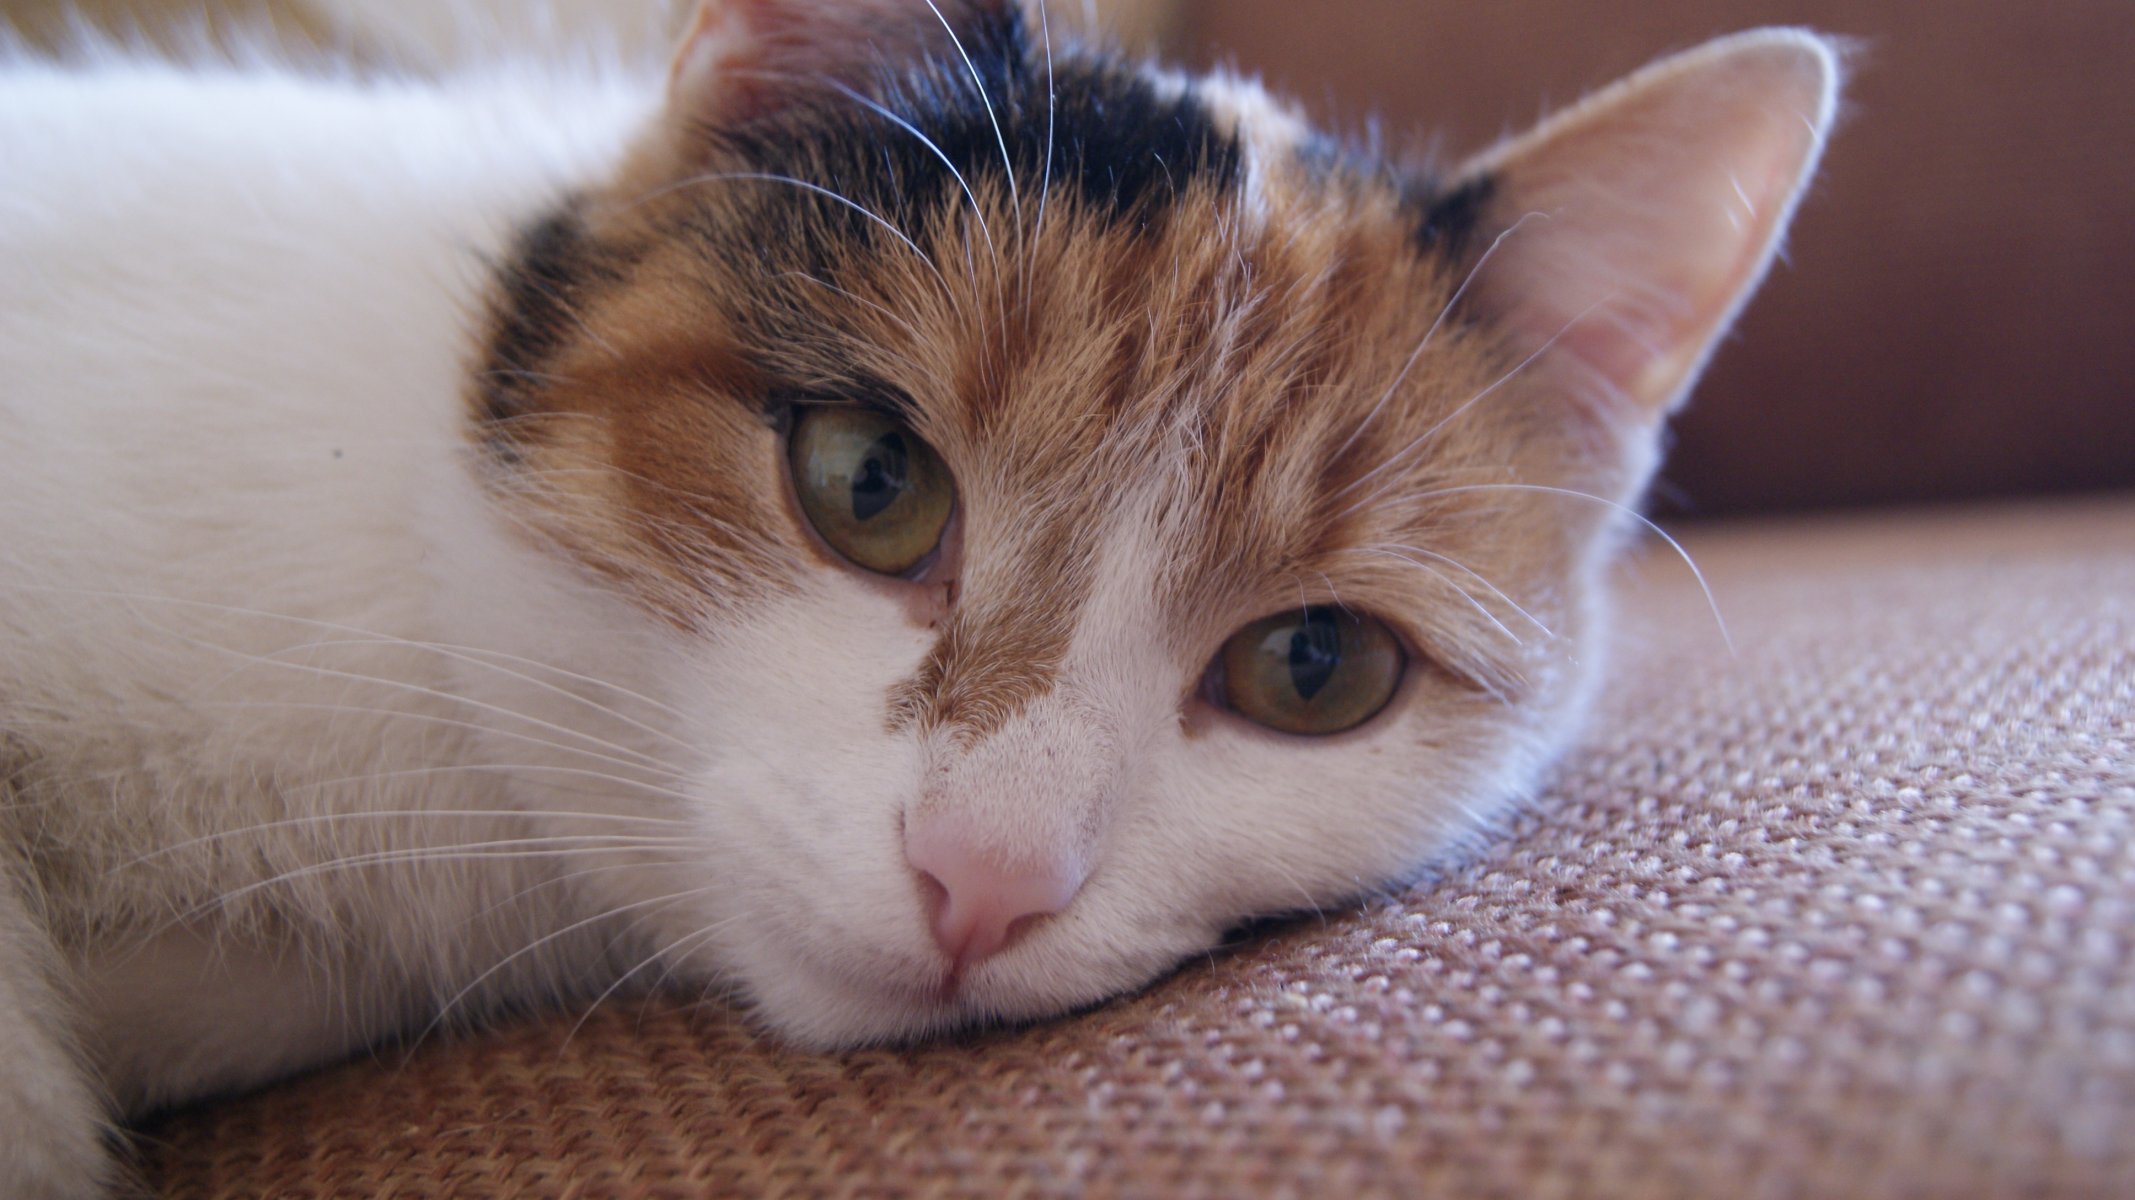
(1447, 219)
(538, 287)
(1093, 132)
(1451, 218)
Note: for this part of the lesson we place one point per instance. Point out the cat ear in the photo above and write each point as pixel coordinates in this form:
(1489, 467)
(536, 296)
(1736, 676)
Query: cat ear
(1629, 230)
(743, 59)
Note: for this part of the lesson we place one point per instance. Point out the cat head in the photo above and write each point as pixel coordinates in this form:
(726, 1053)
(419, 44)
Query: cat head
(1078, 506)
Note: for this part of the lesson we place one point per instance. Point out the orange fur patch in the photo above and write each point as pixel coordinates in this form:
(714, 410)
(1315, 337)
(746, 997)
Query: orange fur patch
(1269, 376)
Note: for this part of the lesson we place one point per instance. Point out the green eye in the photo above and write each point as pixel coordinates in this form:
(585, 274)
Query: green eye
(877, 494)
(1314, 672)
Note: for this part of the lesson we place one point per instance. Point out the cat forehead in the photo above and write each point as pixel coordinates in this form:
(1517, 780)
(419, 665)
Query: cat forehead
(1082, 261)
(989, 119)
(1083, 282)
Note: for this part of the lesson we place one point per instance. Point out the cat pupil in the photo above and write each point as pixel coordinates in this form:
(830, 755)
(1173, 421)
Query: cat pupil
(881, 478)
(1315, 652)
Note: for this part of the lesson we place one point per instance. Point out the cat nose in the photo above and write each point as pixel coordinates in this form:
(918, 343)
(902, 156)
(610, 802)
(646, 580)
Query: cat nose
(984, 896)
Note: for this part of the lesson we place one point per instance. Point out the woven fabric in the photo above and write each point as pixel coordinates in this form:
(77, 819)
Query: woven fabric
(1845, 914)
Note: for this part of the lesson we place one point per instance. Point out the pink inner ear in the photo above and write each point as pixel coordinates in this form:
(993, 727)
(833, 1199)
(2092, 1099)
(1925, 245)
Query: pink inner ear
(743, 59)
(1640, 221)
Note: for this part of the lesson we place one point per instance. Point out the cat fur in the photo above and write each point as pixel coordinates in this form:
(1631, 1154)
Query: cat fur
(405, 619)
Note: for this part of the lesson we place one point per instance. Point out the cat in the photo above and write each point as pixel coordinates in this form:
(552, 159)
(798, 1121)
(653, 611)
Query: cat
(897, 519)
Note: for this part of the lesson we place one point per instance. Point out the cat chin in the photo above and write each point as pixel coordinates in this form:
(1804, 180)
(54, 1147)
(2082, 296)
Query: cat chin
(883, 983)
(818, 1007)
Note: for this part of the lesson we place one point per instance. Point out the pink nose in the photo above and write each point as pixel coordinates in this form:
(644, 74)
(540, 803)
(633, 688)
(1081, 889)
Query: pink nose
(982, 896)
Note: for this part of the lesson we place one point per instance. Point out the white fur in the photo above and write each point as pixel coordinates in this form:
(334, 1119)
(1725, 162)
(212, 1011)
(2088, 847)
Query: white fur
(233, 322)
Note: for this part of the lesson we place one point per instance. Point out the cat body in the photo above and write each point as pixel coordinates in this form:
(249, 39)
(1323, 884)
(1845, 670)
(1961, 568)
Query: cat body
(266, 464)
(416, 599)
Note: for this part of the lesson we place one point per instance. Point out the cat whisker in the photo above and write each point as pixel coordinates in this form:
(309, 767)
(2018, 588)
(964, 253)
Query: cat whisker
(637, 763)
(910, 329)
(570, 312)
(452, 814)
(1052, 106)
(543, 769)
(879, 109)
(879, 310)
(665, 952)
(1449, 418)
(556, 880)
(1045, 183)
(1000, 301)
(475, 656)
(1015, 200)
(814, 189)
(1432, 333)
(1290, 877)
(428, 693)
(540, 377)
(1696, 572)
(516, 849)
(609, 914)
(1462, 592)
(977, 213)
(695, 940)
(1472, 574)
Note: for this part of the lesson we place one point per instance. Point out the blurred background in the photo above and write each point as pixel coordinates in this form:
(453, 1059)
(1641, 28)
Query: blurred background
(431, 32)
(1957, 315)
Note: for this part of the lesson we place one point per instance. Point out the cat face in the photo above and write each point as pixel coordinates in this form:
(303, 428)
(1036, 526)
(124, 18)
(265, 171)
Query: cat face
(1084, 507)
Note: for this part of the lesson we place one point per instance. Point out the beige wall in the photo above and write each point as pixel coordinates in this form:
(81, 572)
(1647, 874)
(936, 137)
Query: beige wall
(435, 31)
(45, 22)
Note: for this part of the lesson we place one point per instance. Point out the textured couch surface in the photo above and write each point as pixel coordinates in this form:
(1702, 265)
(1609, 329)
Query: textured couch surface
(1847, 913)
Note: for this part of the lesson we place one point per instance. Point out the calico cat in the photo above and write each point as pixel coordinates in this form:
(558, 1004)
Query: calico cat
(901, 520)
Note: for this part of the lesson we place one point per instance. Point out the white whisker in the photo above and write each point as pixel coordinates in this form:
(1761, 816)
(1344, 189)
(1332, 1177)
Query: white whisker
(1695, 573)
(474, 656)
(471, 655)
(556, 880)
(1464, 594)
(1045, 183)
(878, 309)
(1431, 333)
(1464, 568)
(663, 952)
(497, 768)
(878, 109)
(426, 692)
(445, 1009)
(1052, 105)
(640, 762)
(1015, 200)
(814, 189)
(1450, 417)
(456, 814)
(694, 940)
(518, 849)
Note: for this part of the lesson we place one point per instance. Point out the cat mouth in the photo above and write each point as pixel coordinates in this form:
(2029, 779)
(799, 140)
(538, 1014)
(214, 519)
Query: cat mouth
(959, 993)
(907, 1001)
(948, 993)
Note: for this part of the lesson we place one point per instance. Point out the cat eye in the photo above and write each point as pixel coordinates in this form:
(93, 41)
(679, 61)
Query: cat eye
(876, 493)
(1316, 672)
